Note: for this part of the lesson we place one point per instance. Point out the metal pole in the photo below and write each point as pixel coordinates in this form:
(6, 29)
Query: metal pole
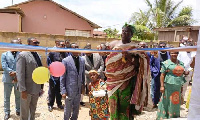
(12, 2)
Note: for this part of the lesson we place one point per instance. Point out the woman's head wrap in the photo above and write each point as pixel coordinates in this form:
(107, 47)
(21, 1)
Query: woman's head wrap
(131, 27)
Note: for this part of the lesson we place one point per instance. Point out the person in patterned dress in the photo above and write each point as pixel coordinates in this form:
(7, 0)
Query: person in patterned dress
(171, 81)
(98, 105)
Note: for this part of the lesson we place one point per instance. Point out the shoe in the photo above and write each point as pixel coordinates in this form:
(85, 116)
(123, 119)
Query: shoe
(82, 103)
(18, 113)
(50, 108)
(7, 116)
(61, 107)
(155, 106)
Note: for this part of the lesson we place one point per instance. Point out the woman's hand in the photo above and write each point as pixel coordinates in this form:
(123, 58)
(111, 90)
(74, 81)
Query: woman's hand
(155, 54)
(162, 89)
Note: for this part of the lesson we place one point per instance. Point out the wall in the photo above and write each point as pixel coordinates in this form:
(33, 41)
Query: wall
(9, 22)
(46, 17)
(169, 35)
(166, 35)
(49, 40)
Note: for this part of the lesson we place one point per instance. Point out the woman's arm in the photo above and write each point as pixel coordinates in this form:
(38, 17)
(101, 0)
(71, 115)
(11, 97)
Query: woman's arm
(162, 77)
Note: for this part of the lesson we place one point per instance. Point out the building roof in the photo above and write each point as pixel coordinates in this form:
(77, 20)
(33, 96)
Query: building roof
(90, 22)
(12, 10)
(183, 28)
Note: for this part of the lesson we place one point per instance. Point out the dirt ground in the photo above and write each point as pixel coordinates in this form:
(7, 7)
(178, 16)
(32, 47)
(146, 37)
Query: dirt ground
(42, 112)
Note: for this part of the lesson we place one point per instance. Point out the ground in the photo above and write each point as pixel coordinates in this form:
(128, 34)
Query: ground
(42, 112)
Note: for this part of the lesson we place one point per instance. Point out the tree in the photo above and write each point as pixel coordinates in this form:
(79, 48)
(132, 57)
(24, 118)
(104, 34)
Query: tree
(143, 33)
(163, 14)
(183, 18)
(111, 33)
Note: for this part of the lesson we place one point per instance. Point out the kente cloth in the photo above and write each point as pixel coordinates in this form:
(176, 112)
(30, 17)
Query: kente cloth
(140, 94)
(120, 69)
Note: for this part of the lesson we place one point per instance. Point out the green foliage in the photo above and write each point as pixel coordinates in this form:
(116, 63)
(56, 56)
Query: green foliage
(144, 33)
(183, 18)
(163, 14)
(111, 33)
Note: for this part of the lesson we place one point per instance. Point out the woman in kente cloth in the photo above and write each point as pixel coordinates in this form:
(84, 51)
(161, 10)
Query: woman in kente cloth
(127, 77)
(171, 81)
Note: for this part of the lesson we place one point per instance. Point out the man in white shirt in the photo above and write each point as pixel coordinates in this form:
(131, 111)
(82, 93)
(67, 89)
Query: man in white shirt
(186, 58)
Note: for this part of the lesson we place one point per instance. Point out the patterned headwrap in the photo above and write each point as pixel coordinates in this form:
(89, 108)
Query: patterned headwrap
(131, 27)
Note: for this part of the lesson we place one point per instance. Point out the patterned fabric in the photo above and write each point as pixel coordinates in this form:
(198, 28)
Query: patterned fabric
(140, 94)
(127, 96)
(98, 105)
(119, 70)
(173, 72)
(120, 107)
(169, 105)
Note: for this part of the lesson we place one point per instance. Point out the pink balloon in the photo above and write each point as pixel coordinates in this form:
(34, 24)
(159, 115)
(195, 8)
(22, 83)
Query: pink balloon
(57, 69)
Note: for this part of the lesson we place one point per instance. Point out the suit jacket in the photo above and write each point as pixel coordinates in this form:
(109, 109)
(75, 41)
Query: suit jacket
(26, 64)
(98, 66)
(55, 56)
(72, 81)
(154, 65)
(8, 63)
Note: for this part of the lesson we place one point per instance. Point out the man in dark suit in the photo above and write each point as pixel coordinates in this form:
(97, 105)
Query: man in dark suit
(71, 83)
(54, 82)
(27, 62)
(8, 62)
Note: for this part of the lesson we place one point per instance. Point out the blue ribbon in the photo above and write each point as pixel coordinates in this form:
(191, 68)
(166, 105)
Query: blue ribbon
(21, 47)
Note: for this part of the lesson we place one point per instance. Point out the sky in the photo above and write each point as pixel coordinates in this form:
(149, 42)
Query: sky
(110, 13)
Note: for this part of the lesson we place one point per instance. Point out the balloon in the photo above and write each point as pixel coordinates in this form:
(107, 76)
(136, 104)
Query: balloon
(57, 69)
(41, 75)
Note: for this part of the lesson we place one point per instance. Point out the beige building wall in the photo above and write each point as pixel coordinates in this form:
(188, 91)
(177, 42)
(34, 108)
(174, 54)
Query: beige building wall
(48, 40)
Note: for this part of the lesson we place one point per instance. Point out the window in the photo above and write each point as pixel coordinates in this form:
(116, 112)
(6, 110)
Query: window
(83, 33)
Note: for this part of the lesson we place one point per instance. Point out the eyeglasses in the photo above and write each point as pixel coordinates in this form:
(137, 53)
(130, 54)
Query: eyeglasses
(162, 46)
(63, 45)
(36, 43)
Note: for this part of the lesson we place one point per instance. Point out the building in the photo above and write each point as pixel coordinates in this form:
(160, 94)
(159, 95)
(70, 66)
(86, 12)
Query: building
(45, 16)
(176, 33)
(99, 34)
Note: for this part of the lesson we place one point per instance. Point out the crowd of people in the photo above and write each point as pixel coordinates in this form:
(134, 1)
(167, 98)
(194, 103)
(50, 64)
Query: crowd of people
(128, 81)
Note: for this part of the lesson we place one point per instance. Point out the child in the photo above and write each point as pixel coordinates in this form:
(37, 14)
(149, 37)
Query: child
(98, 105)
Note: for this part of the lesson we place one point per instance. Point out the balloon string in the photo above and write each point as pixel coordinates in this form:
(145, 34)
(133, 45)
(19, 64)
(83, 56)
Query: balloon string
(48, 63)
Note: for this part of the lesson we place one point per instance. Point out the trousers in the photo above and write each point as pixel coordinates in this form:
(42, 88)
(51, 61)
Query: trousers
(7, 92)
(54, 93)
(71, 109)
(28, 107)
